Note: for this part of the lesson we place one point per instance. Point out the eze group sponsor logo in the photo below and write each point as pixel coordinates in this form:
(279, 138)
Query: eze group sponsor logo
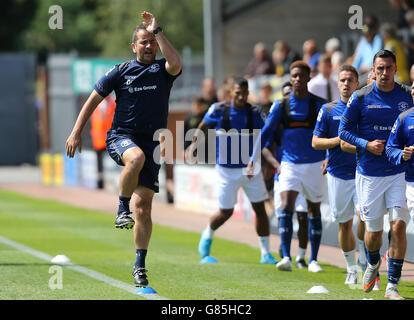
(144, 88)
(382, 128)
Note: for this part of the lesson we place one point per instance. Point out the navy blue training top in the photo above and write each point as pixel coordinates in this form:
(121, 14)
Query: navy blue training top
(233, 150)
(341, 164)
(402, 135)
(372, 113)
(296, 142)
(142, 92)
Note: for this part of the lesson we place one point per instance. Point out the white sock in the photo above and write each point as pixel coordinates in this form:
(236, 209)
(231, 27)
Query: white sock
(362, 258)
(391, 285)
(208, 232)
(301, 254)
(264, 245)
(349, 259)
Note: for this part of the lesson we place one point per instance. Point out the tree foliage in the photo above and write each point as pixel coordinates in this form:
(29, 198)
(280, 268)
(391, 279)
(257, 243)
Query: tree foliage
(98, 27)
(182, 21)
(79, 28)
(16, 17)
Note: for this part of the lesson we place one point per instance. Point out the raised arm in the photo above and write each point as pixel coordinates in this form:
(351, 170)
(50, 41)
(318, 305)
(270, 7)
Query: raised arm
(173, 64)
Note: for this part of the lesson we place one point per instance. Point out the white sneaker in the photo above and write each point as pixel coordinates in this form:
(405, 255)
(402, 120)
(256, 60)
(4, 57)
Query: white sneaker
(285, 264)
(314, 267)
(368, 281)
(352, 277)
(393, 294)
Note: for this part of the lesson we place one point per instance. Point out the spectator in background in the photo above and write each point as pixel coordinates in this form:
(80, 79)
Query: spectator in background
(323, 85)
(410, 44)
(371, 77)
(261, 63)
(286, 89)
(283, 56)
(311, 55)
(412, 73)
(337, 60)
(229, 80)
(332, 45)
(402, 7)
(264, 98)
(209, 94)
(392, 43)
(369, 44)
(223, 93)
(198, 110)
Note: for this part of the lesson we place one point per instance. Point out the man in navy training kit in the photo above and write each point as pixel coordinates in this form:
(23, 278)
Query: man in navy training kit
(142, 88)
(300, 168)
(234, 122)
(272, 153)
(380, 184)
(343, 201)
(399, 149)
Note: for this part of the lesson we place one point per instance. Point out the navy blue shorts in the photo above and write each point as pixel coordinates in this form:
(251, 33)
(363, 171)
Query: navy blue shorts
(118, 143)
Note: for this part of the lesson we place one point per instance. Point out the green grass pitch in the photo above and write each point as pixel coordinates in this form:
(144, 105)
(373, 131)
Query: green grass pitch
(90, 239)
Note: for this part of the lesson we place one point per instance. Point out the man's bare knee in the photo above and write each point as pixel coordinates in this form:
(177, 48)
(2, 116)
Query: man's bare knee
(398, 228)
(134, 158)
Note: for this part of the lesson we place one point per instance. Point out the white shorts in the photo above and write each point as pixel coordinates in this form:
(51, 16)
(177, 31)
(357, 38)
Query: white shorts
(300, 204)
(343, 200)
(231, 179)
(376, 195)
(303, 177)
(410, 198)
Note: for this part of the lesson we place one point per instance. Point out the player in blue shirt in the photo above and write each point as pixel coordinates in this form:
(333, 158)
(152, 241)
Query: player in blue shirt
(301, 164)
(142, 88)
(380, 184)
(341, 167)
(234, 122)
(272, 153)
(399, 149)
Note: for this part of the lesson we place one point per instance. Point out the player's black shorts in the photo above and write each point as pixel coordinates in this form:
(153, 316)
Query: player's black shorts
(118, 143)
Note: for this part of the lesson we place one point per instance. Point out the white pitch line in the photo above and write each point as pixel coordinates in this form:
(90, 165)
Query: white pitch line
(90, 273)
